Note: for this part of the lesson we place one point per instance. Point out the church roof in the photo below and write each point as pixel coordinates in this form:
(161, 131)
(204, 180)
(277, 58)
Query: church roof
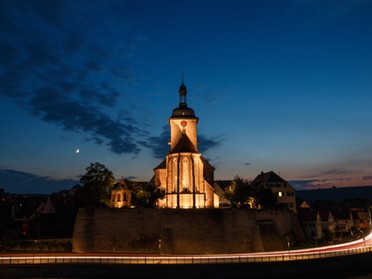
(183, 112)
(184, 145)
(162, 165)
(120, 186)
(206, 163)
(223, 183)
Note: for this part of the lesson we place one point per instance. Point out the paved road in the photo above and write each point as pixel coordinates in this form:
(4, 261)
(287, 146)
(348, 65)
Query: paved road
(279, 264)
(359, 243)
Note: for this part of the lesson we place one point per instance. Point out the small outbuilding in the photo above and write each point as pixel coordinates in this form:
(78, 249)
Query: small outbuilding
(120, 195)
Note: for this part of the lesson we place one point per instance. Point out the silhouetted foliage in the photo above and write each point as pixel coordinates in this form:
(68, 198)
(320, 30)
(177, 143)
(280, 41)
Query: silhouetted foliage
(140, 197)
(97, 183)
(156, 193)
(266, 198)
(239, 192)
(145, 195)
(329, 236)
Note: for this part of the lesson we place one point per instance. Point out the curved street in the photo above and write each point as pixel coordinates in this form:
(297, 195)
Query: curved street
(358, 246)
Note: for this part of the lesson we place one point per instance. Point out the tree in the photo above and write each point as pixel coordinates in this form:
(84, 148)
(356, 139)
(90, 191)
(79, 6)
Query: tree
(266, 198)
(239, 192)
(242, 194)
(140, 197)
(145, 195)
(156, 193)
(329, 236)
(97, 183)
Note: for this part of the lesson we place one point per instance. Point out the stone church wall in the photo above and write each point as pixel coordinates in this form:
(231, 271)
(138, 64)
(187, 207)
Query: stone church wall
(171, 231)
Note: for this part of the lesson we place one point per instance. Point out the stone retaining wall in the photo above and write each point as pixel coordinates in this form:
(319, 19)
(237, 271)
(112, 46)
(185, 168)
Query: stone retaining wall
(171, 231)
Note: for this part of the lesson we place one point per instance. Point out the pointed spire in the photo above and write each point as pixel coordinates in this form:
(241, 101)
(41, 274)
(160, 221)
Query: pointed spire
(182, 91)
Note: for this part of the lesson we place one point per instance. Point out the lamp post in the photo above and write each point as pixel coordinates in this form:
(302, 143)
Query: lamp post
(364, 237)
(288, 244)
(34, 247)
(315, 240)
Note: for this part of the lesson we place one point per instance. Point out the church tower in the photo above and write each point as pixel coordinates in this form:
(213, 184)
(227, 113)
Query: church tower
(185, 174)
(183, 121)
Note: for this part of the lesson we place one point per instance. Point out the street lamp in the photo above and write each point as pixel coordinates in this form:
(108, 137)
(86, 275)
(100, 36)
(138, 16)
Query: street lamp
(34, 247)
(288, 244)
(364, 237)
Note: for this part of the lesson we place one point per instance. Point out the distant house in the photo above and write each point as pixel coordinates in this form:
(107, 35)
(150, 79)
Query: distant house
(363, 209)
(346, 220)
(54, 217)
(304, 205)
(120, 195)
(220, 187)
(45, 207)
(284, 192)
(315, 223)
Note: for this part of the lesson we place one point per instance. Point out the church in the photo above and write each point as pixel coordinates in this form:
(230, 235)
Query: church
(186, 176)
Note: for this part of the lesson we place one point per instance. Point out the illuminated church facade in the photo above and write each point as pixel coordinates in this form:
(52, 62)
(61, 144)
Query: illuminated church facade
(186, 176)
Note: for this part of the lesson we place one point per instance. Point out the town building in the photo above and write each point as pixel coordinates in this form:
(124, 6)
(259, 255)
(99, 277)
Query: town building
(186, 176)
(120, 195)
(285, 193)
(220, 187)
(315, 223)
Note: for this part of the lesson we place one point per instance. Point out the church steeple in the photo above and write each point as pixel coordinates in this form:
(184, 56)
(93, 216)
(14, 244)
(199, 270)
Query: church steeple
(183, 121)
(182, 91)
(183, 111)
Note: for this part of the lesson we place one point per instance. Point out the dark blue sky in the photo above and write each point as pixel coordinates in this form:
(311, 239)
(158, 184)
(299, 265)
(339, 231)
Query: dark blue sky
(277, 85)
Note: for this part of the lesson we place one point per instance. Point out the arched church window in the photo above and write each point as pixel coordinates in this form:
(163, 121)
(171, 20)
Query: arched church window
(174, 174)
(185, 174)
(119, 197)
(125, 196)
(195, 168)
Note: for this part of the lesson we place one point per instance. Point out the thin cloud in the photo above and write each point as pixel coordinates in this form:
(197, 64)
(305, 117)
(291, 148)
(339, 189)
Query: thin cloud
(304, 184)
(308, 184)
(22, 182)
(62, 80)
(335, 171)
(74, 42)
(205, 143)
(92, 65)
(158, 144)
(8, 54)
(328, 11)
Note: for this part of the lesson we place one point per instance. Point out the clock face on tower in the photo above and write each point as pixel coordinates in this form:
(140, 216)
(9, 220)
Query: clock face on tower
(183, 123)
